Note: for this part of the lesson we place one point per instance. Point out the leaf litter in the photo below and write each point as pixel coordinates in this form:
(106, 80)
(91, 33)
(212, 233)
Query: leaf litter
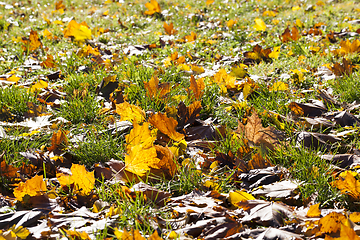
(192, 99)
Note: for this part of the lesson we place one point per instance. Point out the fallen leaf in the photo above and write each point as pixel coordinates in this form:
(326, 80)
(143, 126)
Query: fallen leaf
(57, 139)
(348, 185)
(32, 43)
(129, 112)
(153, 7)
(140, 135)
(166, 125)
(314, 211)
(259, 25)
(80, 31)
(83, 180)
(197, 87)
(169, 29)
(239, 196)
(139, 160)
(332, 222)
(288, 35)
(156, 90)
(32, 187)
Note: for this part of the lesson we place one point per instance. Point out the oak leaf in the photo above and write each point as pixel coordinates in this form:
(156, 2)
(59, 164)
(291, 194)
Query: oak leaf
(83, 180)
(32, 187)
(130, 112)
(166, 125)
(257, 135)
(153, 7)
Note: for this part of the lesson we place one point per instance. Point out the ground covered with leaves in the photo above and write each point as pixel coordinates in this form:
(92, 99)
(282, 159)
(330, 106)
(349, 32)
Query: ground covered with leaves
(179, 119)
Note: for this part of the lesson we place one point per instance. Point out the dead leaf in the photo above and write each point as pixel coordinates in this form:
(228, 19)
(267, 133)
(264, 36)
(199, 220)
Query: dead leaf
(32, 187)
(129, 112)
(348, 185)
(153, 7)
(156, 90)
(314, 211)
(288, 35)
(169, 29)
(83, 180)
(79, 31)
(187, 115)
(58, 138)
(166, 125)
(32, 43)
(196, 87)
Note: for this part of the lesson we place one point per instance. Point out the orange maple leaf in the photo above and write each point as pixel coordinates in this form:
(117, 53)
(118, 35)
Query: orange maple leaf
(57, 139)
(32, 43)
(191, 38)
(288, 35)
(169, 29)
(197, 86)
(83, 180)
(154, 89)
(8, 170)
(166, 125)
(49, 62)
(153, 7)
(167, 164)
(32, 187)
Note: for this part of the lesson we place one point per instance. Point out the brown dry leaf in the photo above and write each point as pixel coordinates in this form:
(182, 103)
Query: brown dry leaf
(314, 211)
(344, 68)
(83, 180)
(32, 43)
(150, 193)
(257, 134)
(57, 139)
(288, 35)
(166, 125)
(8, 170)
(129, 112)
(49, 62)
(348, 185)
(258, 162)
(169, 29)
(187, 115)
(32, 187)
(196, 87)
(167, 164)
(156, 90)
(258, 53)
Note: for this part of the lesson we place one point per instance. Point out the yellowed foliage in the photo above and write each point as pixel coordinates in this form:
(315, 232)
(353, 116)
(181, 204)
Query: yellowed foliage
(153, 7)
(83, 180)
(348, 185)
(154, 89)
(239, 196)
(139, 135)
(32, 187)
(169, 29)
(314, 211)
(130, 112)
(197, 87)
(259, 24)
(139, 160)
(38, 86)
(224, 79)
(279, 86)
(80, 31)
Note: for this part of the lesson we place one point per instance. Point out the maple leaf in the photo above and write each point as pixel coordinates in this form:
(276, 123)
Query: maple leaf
(38, 86)
(154, 89)
(258, 53)
(279, 86)
(8, 170)
(80, 31)
(257, 134)
(197, 86)
(57, 139)
(346, 68)
(348, 47)
(187, 115)
(167, 164)
(224, 80)
(288, 35)
(190, 38)
(348, 185)
(139, 160)
(49, 62)
(153, 7)
(32, 187)
(130, 112)
(314, 211)
(32, 43)
(169, 29)
(332, 222)
(346, 233)
(166, 125)
(140, 135)
(83, 180)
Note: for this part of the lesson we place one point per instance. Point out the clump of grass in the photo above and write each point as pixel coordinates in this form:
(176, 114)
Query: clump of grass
(13, 102)
(347, 87)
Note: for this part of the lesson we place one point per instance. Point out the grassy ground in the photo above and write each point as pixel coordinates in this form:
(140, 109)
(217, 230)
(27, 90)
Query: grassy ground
(75, 76)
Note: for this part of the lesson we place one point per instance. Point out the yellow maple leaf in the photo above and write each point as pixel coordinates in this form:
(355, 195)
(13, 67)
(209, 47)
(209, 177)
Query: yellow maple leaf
(19, 232)
(166, 125)
(349, 185)
(197, 86)
(154, 89)
(130, 112)
(32, 43)
(80, 31)
(32, 187)
(139, 160)
(224, 80)
(140, 135)
(153, 7)
(314, 211)
(259, 24)
(13, 78)
(83, 180)
(279, 86)
(275, 53)
(231, 23)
